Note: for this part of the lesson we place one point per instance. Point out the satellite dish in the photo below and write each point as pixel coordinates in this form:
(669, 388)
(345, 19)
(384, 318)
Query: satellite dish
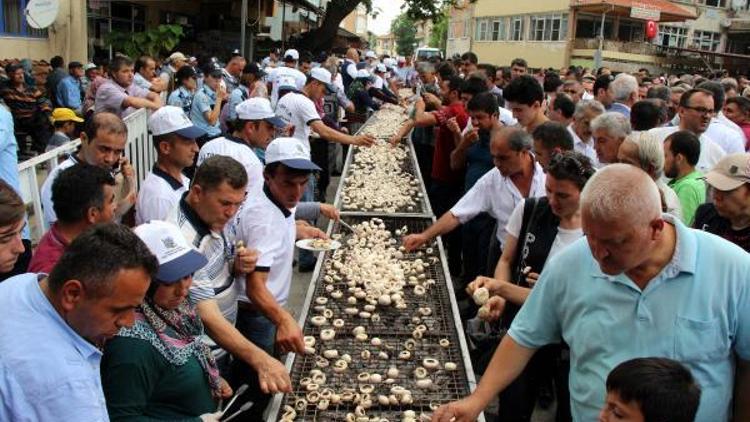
(41, 13)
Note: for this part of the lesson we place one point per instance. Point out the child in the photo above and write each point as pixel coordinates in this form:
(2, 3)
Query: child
(650, 390)
(65, 121)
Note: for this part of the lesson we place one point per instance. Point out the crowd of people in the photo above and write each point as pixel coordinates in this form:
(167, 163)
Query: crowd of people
(606, 213)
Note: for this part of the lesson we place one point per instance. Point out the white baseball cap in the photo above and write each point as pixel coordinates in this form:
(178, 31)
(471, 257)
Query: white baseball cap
(258, 109)
(323, 75)
(171, 119)
(380, 68)
(291, 55)
(363, 74)
(177, 259)
(371, 54)
(291, 153)
(176, 56)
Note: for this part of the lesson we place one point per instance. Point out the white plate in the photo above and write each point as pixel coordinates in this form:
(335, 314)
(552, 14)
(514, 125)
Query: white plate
(307, 244)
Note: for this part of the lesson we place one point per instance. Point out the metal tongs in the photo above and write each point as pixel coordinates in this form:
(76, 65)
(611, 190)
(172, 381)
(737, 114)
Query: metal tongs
(347, 226)
(236, 395)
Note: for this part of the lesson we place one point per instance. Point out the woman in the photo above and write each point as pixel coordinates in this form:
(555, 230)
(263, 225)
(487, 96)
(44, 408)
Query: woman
(187, 83)
(160, 369)
(207, 102)
(538, 229)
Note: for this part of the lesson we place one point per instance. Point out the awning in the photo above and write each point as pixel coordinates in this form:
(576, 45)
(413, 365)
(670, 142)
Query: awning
(657, 10)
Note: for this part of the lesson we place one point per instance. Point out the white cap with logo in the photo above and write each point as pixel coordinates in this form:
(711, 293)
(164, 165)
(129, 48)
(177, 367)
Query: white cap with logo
(171, 119)
(177, 259)
(291, 153)
(291, 55)
(323, 75)
(258, 109)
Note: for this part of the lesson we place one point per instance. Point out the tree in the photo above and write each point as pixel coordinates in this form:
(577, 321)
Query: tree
(321, 38)
(152, 42)
(439, 34)
(404, 30)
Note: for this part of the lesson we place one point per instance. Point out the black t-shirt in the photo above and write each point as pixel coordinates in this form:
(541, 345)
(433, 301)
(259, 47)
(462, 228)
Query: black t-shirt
(708, 219)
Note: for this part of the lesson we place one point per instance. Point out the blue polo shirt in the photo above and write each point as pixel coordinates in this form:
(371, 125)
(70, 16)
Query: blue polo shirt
(696, 311)
(203, 101)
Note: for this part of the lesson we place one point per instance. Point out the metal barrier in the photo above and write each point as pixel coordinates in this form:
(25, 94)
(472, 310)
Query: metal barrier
(139, 151)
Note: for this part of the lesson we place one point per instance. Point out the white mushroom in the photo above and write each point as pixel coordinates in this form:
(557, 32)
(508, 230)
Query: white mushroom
(481, 296)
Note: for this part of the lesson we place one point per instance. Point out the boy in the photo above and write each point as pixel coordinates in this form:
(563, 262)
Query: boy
(651, 390)
(65, 121)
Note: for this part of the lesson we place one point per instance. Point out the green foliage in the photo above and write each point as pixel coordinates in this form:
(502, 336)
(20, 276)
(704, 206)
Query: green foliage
(421, 10)
(404, 30)
(153, 42)
(439, 34)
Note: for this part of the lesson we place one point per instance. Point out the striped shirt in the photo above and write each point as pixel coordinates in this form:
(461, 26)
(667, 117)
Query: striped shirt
(26, 102)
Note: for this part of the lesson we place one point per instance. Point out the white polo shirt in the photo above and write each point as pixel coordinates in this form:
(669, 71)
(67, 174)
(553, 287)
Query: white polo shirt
(46, 192)
(230, 146)
(300, 111)
(728, 139)
(266, 225)
(215, 280)
(274, 76)
(585, 148)
(497, 195)
(711, 152)
(159, 194)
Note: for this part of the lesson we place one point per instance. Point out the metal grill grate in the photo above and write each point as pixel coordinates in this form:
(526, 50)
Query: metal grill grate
(394, 329)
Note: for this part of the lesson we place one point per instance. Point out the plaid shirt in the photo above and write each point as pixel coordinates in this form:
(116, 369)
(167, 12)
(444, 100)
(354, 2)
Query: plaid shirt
(25, 103)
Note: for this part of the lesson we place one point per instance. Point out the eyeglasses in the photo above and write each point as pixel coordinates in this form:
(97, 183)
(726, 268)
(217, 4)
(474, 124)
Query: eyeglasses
(701, 110)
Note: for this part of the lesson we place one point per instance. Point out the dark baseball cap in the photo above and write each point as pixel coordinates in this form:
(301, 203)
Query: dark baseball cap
(252, 68)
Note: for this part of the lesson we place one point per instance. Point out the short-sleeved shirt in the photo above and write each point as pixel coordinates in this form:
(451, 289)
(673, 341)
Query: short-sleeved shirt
(238, 95)
(9, 156)
(274, 77)
(110, 96)
(585, 148)
(215, 280)
(57, 139)
(139, 80)
(48, 372)
(159, 194)
(182, 98)
(46, 191)
(203, 102)
(730, 140)
(299, 111)
(711, 152)
(231, 146)
(69, 93)
(607, 320)
(497, 195)
(478, 160)
(691, 190)
(564, 237)
(266, 225)
(49, 250)
(445, 144)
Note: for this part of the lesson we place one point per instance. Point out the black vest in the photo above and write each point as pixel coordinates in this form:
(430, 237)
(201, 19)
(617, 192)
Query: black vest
(538, 232)
(345, 77)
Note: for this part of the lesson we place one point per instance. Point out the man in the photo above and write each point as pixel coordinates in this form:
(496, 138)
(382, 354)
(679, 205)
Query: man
(64, 120)
(348, 68)
(267, 223)
(583, 140)
(525, 99)
(695, 112)
(174, 63)
(174, 138)
(550, 139)
(298, 109)
(681, 152)
(562, 109)
(624, 92)
(737, 110)
(12, 228)
(518, 67)
(250, 86)
(469, 62)
(57, 74)
(233, 71)
(255, 126)
(69, 92)
(619, 284)
(729, 214)
(601, 90)
(119, 95)
(645, 115)
(446, 184)
(30, 109)
(145, 75)
(90, 72)
(102, 144)
(216, 194)
(272, 59)
(517, 175)
(51, 370)
(283, 73)
(83, 195)
(574, 89)
(587, 82)
(721, 130)
(609, 130)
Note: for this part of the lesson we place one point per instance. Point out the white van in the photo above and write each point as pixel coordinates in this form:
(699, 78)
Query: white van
(424, 54)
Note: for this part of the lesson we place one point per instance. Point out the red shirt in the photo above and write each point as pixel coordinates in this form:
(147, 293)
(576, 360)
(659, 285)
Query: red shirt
(444, 144)
(48, 252)
(746, 130)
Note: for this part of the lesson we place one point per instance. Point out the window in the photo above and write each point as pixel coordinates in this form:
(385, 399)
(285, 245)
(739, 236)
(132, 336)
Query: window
(714, 3)
(706, 40)
(490, 29)
(481, 29)
(672, 36)
(516, 28)
(498, 29)
(548, 28)
(631, 31)
(13, 20)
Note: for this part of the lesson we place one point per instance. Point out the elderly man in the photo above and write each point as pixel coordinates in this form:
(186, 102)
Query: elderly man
(583, 140)
(145, 75)
(646, 151)
(50, 371)
(609, 130)
(624, 92)
(69, 92)
(102, 144)
(695, 112)
(30, 108)
(348, 69)
(233, 71)
(611, 297)
(174, 62)
(729, 214)
(119, 95)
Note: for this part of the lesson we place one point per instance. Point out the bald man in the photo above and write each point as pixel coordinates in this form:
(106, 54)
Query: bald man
(636, 285)
(348, 68)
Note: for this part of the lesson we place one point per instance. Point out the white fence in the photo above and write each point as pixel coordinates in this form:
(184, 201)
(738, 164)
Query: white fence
(139, 150)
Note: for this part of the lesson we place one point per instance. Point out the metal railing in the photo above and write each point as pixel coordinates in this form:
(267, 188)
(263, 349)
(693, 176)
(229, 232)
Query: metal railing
(139, 151)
